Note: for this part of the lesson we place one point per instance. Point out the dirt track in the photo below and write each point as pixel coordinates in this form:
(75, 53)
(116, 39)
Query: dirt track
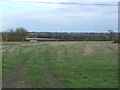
(17, 72)
(51, 78)
(16, 78)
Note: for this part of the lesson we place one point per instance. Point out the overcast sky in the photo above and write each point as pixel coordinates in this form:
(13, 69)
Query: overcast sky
(60, 15)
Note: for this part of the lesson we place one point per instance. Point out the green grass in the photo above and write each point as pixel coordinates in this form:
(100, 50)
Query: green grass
(67, 64)
(87, 71)
(13, 43)
(17, 43)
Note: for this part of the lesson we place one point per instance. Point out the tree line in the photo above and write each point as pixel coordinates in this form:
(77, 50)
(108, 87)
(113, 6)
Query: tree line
(19, 34)
(76, 36)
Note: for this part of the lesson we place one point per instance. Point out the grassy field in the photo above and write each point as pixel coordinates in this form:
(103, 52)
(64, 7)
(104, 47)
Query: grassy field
(60, 64)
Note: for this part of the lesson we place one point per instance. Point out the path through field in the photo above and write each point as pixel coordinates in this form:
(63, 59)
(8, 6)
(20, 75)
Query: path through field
(60, 65)
(19, 72)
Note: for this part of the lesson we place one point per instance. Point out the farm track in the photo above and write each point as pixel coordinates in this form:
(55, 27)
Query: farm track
(51, 81)
(43, 57)
(51, 78)
(16, 78)
(18, 72)
(12, 81)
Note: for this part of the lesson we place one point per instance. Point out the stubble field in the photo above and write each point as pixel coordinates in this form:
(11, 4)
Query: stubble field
(78, 64)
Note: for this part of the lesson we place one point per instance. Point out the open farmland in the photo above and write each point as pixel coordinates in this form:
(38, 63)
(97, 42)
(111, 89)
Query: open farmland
(60, 64)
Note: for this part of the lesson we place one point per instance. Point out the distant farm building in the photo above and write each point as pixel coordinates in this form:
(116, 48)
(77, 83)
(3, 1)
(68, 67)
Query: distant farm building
(40, 39)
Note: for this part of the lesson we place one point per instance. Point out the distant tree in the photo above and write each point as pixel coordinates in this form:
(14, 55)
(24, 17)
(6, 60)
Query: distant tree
(15, 35)
(112, 35)
(8, 35)
(21, 33)
(4, 36)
